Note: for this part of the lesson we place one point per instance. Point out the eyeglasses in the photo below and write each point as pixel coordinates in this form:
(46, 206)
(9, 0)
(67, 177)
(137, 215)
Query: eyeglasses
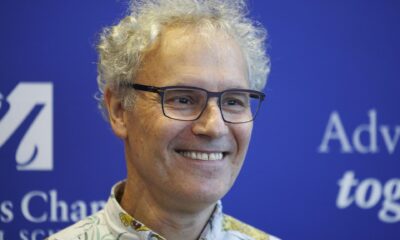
(188, 103)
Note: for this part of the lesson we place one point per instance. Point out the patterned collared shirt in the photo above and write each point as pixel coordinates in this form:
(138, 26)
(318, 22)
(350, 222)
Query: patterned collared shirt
(113, 223)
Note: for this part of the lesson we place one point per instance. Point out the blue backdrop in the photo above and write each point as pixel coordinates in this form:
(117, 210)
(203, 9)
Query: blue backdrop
(325, 156)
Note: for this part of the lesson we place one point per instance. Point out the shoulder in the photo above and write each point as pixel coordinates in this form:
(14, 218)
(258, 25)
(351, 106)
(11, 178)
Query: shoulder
(84, 228)
(231, 224)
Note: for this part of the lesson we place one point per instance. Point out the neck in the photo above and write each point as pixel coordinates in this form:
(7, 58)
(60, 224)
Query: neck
(172, 221)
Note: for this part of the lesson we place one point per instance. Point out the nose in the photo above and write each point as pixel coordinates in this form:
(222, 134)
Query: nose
(210, 123)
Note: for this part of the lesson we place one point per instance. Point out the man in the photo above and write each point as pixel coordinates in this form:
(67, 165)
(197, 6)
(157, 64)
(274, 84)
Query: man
(180, 82)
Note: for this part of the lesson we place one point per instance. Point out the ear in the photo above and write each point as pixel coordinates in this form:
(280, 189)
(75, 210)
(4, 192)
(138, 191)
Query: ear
(116, 113)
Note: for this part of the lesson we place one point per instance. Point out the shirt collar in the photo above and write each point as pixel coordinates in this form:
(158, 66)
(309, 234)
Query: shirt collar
(127, 227)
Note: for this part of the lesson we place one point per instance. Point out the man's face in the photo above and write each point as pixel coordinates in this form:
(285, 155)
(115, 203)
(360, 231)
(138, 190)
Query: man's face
(154, 143)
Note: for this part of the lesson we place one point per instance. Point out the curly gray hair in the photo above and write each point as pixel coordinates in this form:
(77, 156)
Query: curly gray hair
(123, 46)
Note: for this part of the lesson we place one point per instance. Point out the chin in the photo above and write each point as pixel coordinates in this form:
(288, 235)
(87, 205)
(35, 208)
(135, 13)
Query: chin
(206, 194)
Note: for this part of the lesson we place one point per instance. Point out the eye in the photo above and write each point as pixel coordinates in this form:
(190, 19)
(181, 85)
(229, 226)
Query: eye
(235, 99)
(179, 100)
(233, 102)
(182, 100)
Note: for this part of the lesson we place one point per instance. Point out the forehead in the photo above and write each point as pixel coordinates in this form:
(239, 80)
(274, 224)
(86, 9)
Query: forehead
(185, 55)
(184, 39)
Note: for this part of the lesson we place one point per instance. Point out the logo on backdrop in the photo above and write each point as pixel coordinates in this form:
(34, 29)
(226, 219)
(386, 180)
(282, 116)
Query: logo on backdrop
(29, 106)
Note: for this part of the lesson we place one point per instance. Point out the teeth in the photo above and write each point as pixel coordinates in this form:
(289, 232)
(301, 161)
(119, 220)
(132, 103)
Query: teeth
(203, 156)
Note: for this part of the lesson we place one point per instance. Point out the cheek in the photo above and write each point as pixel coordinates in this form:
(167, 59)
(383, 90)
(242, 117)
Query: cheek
(159, 132)
(243, 136)
(143, 123)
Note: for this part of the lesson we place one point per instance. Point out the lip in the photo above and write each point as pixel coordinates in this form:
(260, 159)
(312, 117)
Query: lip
(200, 169)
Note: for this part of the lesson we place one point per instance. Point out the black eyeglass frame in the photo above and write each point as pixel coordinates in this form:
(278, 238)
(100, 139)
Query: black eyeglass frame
(161, 90)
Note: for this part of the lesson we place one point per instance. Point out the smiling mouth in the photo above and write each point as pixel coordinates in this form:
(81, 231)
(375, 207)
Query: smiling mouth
(204, 156)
